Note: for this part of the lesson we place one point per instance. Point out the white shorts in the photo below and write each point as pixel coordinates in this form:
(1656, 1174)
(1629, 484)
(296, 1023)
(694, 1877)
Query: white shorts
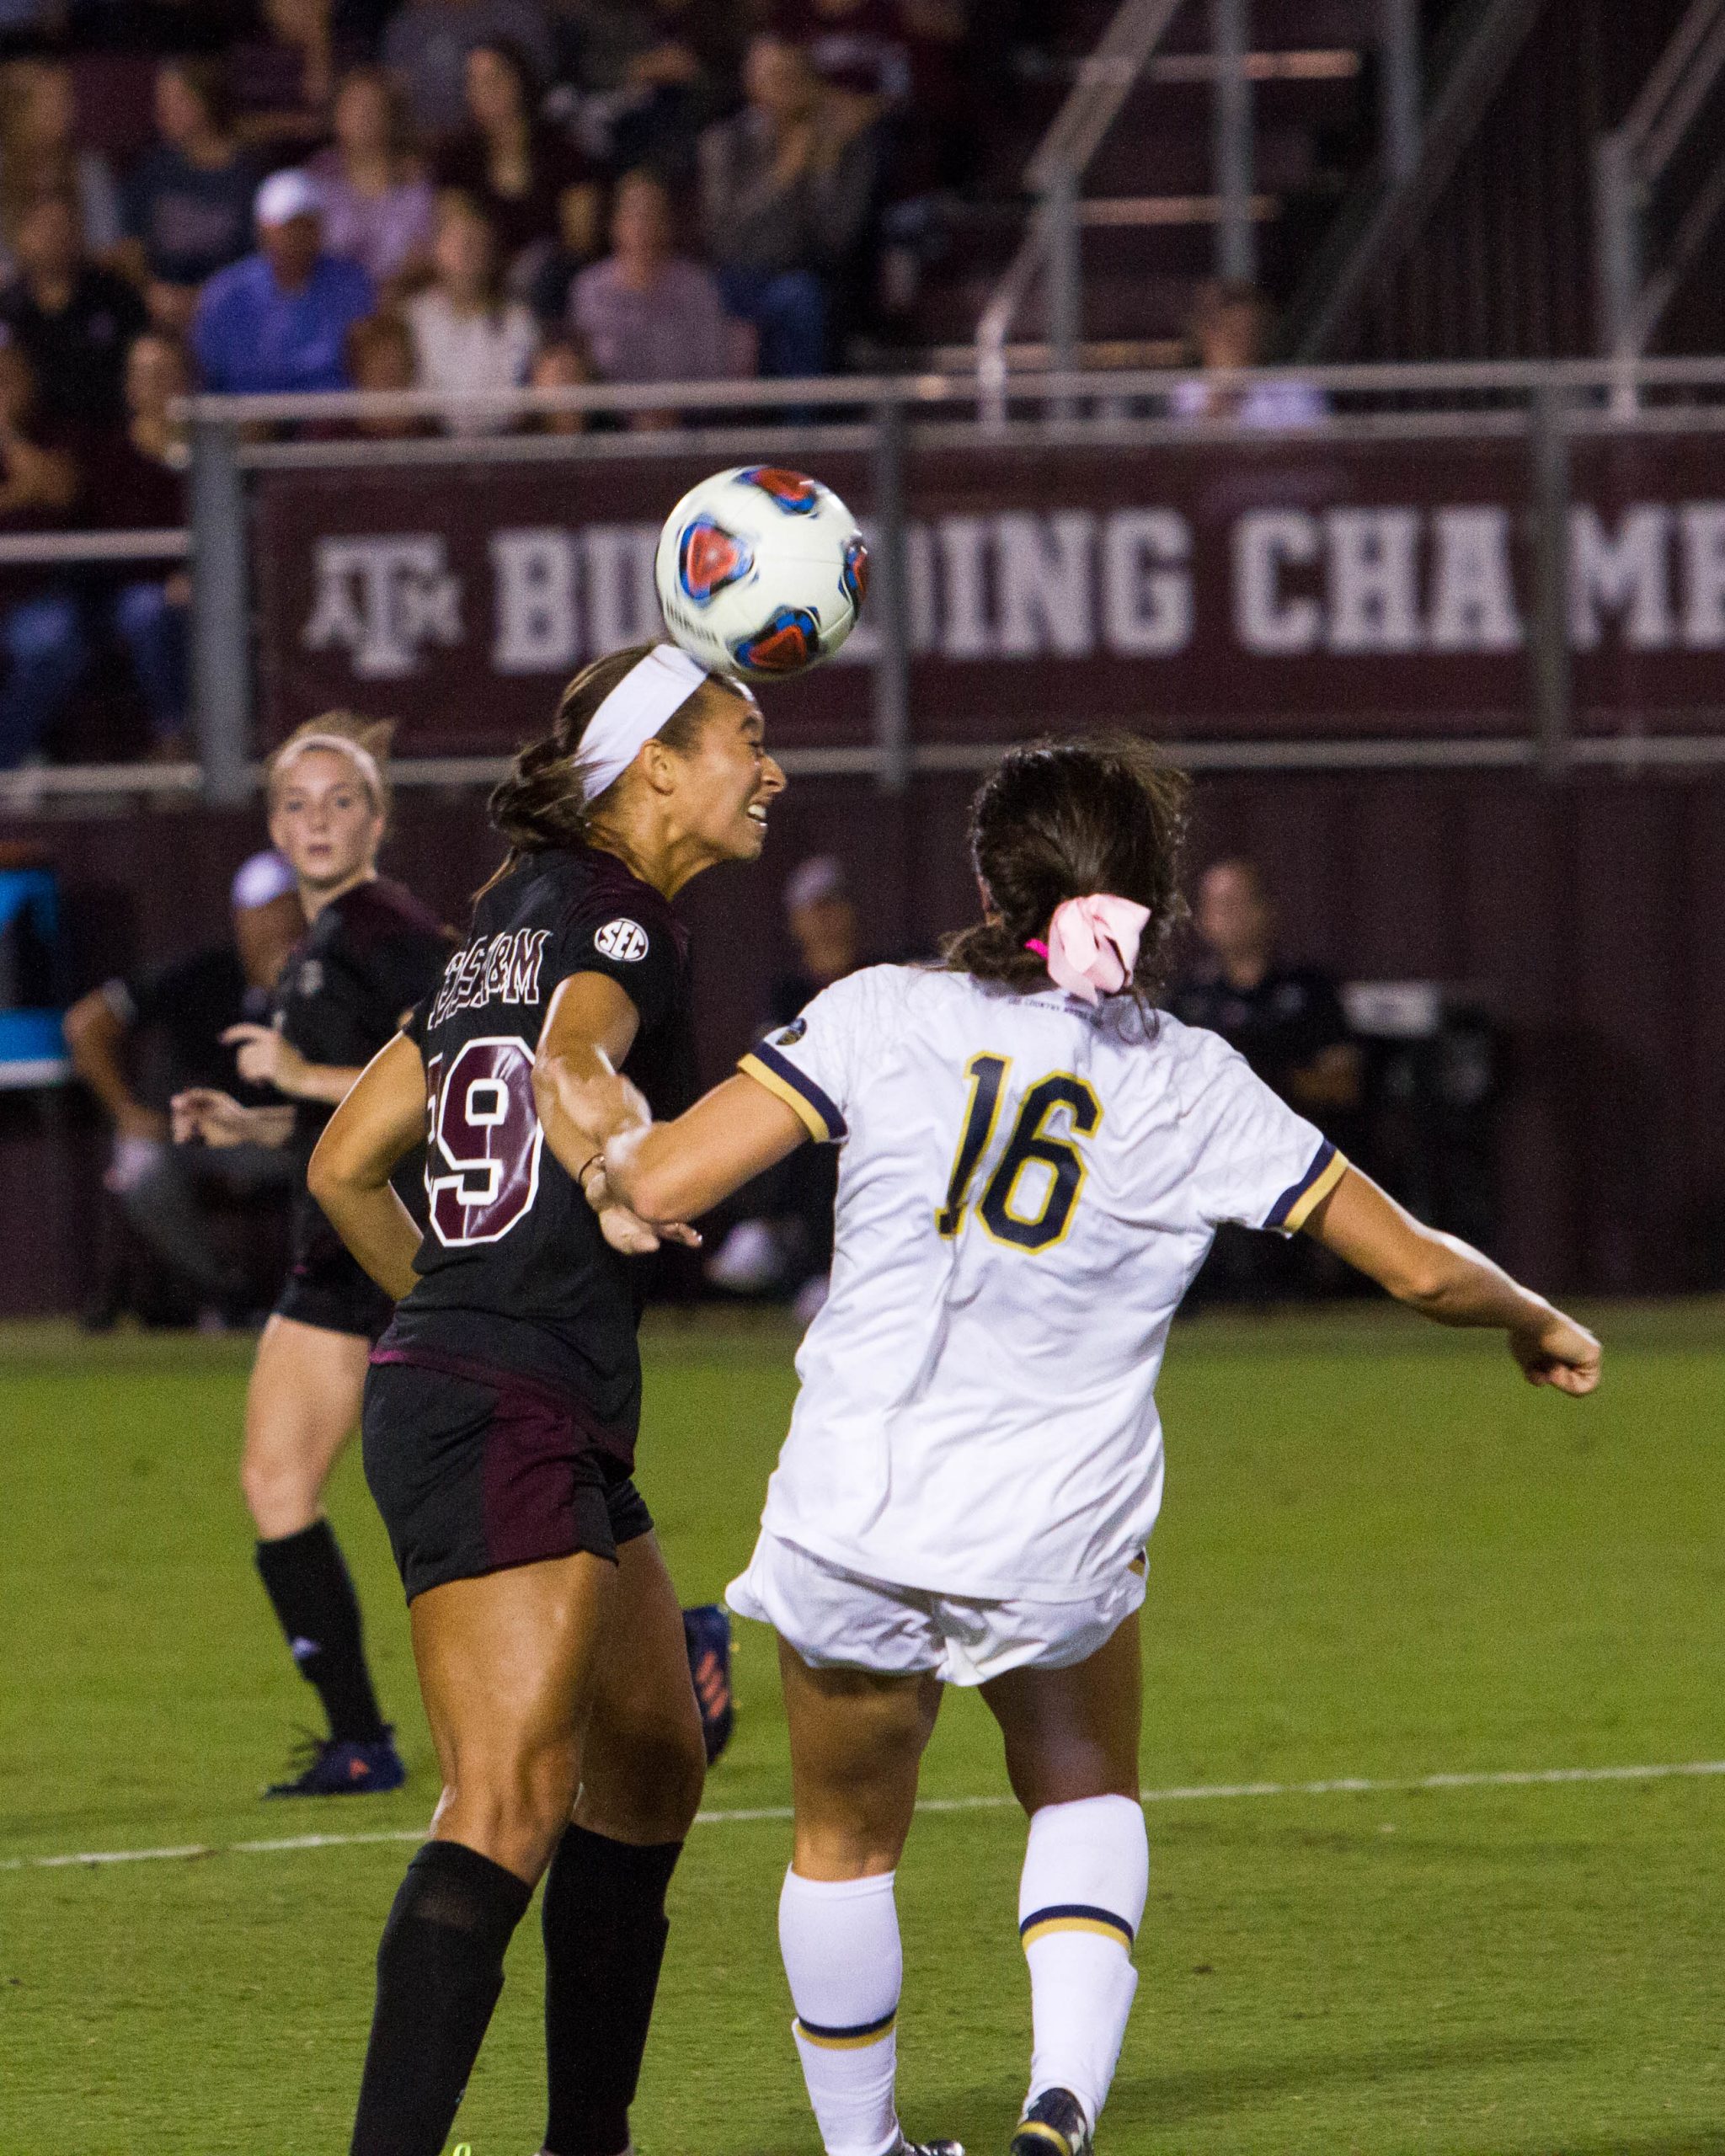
(836, 1619)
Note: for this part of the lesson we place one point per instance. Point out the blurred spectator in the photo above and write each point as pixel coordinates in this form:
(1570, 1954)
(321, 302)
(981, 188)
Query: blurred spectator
(646, 313)
(1230, 327)
(426, 45)
(540, 193)
(826, 929)
(649, 75)
(41, 635)
(786, 188)
(1286, 1021)
(38, 154)
(785, 1242)
(468, 339)
(561, 364)
(858, 46)
(277, 321)
(134, 481)
(137, 483)
(188, 202)
(73, 319)
(180, 1010)
(379, 209)
(282, 79)
(380, 358)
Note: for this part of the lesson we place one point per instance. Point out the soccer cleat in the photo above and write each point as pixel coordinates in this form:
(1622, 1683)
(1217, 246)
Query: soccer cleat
(706, 1633)
(331, 1766)
(908, 2148)
(1054, 2126)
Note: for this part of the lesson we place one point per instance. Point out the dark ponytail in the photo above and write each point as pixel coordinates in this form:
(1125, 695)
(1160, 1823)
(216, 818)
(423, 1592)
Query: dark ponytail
(1064, 820)
(542, 802)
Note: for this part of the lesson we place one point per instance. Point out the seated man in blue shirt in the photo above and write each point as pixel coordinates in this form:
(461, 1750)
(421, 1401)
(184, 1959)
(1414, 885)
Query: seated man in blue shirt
(277, 321)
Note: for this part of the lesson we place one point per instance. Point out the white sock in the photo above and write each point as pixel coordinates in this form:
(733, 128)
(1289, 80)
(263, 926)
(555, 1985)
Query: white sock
(840, 1940)
(1080, 1901)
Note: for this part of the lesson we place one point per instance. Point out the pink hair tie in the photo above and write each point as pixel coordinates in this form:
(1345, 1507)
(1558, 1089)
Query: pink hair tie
(1092, 944)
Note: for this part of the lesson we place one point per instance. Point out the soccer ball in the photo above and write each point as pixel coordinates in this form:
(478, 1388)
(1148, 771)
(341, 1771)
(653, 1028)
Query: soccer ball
(761, 573)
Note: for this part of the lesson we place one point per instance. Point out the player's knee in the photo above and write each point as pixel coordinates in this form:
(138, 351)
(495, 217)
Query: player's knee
(848, 1848)
(511, 1805)
(279, 1496)
(677, 1772)
(648, 1788)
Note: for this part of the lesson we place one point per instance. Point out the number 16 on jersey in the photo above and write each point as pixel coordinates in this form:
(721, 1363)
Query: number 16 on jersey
(1030, 1143)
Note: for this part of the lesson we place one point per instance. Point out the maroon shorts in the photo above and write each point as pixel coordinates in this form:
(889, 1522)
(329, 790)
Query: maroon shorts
(476, 1470)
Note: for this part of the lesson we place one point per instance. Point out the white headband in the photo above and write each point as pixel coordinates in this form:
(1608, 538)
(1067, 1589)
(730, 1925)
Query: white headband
(363, 760)
(643, 702)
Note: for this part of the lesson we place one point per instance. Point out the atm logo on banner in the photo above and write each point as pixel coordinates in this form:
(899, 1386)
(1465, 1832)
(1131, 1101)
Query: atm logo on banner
(1068, 582)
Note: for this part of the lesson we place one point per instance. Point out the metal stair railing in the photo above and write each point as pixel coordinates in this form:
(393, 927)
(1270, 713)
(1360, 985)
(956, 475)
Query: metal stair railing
(1629, 161)
(1126, 53)
(1419, 151)
(1053, 174)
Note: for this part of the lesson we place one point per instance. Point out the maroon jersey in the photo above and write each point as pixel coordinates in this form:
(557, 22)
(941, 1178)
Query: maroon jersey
(367, 958)
(515, 1275)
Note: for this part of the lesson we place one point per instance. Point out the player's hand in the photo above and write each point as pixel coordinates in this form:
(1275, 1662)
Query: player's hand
(1554, 1350)
(264, 1058)
(203, 1116)
(626, 1231)
(604, 1105)
(634, 1237)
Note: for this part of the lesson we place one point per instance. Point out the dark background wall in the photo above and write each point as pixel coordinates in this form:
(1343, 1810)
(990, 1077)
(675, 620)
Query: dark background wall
(1587, 917)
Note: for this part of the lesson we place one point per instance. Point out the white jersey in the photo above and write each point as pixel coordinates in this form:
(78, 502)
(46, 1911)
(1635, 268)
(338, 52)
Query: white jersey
(1027, 1187)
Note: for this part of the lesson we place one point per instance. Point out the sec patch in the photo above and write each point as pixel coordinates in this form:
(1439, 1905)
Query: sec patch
(623, 939)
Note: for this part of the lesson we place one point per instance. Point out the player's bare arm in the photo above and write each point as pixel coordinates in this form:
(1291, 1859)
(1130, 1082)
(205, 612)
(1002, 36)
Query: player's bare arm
(95, 1037)
(678, 1170)
(204, 1115)
(588, 1030)
(379, 1122)
(1446, 1279)
(266, 1057)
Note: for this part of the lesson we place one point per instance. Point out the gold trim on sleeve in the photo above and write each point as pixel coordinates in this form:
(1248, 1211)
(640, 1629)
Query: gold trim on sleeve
(751, 1066)
(1301, 1210)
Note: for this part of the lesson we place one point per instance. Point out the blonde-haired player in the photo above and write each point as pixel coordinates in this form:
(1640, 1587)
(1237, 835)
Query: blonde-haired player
(369, 953)
(1035, 1163)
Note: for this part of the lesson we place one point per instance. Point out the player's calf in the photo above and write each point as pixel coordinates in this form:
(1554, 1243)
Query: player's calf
(1080, 1900)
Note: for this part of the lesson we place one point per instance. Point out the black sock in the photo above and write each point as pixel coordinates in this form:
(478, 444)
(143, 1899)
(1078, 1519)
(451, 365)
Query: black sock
(604, 1933)
(306, 1580)
(440, 1969)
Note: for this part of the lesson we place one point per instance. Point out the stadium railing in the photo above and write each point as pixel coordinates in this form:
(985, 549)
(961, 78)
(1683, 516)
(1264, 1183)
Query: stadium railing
(1538, 414)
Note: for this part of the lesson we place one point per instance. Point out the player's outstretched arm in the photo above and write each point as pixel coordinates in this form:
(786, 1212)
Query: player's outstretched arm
(678, 1170)
(581, 1097)
(378, 1123)
(1446, 1279)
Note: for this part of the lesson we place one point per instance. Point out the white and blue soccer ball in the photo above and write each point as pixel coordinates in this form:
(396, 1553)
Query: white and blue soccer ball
(761, 573)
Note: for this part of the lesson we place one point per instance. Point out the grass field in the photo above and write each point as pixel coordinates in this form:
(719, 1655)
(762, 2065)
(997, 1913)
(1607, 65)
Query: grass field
(1381, 1558)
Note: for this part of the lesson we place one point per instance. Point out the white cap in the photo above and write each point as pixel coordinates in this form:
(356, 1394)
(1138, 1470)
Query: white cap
(285, 195)
(261, 880)
(821, 877)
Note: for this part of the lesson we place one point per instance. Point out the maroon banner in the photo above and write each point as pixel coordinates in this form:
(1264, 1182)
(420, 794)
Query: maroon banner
(1325, 590)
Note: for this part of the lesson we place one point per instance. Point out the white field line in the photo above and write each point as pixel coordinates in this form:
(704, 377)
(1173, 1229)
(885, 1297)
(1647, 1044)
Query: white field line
(1198, 1793)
